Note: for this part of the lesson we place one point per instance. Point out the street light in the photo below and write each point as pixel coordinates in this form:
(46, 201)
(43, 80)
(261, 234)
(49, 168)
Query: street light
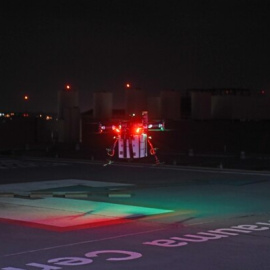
(26, 98)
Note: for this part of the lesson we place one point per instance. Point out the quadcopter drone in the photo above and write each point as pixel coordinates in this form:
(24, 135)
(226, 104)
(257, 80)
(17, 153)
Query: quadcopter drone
(131, 137)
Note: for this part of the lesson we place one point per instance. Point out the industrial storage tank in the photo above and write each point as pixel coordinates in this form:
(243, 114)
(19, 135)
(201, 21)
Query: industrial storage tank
(68, 115)
(67, 98)
(135, 101)
(253, 107)
(102, 105)
(154, 107)
(242, 107)
(170, 104)
(201, 105)
(261, 107)
(222, 107)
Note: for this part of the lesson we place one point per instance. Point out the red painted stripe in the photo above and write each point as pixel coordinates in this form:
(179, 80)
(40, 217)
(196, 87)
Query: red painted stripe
(66, 228)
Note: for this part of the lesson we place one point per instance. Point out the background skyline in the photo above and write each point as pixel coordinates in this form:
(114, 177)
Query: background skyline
(155, 45)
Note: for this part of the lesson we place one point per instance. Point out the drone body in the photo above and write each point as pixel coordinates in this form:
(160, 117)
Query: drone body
(131, 137)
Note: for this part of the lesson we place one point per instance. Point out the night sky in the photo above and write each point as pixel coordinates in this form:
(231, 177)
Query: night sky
(155, 45)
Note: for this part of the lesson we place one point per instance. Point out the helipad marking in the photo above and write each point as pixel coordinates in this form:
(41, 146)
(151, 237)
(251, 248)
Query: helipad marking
(195, 169)
(60, 214)
(84, 242)
(39, 185)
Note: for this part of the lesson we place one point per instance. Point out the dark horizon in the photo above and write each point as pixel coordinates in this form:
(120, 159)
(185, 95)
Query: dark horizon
(101, 45)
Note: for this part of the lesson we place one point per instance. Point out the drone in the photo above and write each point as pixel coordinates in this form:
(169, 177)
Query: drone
(131, 138)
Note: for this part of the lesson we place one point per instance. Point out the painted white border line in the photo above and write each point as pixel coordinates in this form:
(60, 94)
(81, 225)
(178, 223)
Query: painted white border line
(36, 186)
(153, 166)
(220, 171)
(82, 243)
(96, 240)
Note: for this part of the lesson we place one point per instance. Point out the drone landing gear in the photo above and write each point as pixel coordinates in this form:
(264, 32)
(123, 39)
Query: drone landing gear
(111, 152)
(153, 152)
(109, 162)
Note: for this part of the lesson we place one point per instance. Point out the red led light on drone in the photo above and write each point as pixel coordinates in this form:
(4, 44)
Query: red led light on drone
(116, 129)
(137, 130)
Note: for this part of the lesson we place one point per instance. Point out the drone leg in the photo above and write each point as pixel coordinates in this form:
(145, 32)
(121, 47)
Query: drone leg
(111, 152)
(153, 152)
(108, 163)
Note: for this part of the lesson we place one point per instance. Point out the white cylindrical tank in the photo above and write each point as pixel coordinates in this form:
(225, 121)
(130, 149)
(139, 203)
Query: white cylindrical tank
(170, 104)
(135, 101)
(221, 107)
(201, 105)
(154, 107)
(68, 115)
(67, 98)
(102, 105)
(242, 108)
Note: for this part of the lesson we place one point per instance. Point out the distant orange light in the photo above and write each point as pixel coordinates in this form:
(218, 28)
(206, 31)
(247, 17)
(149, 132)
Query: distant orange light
(128, 85)
(26, 97)
(67, 87)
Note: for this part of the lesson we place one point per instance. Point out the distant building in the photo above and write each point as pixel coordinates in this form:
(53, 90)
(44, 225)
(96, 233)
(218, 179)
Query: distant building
(68, 115)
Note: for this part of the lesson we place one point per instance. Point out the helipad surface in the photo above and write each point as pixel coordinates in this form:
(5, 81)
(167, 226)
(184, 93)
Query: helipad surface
(63, 214)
